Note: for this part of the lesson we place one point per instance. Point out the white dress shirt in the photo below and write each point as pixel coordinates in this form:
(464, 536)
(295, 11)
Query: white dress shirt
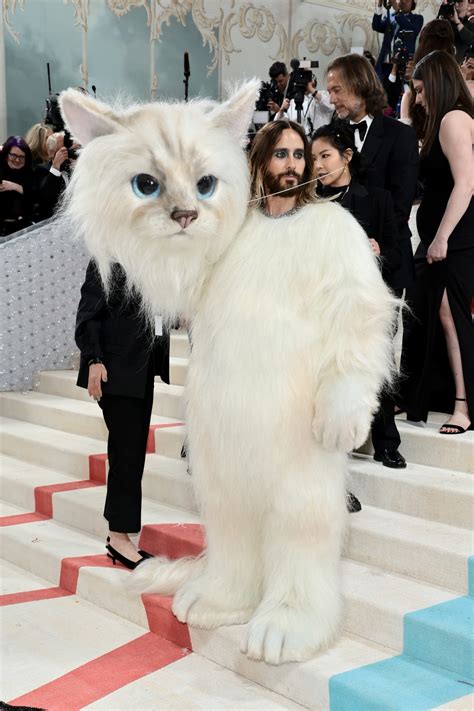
(357, 140)
(317, 111)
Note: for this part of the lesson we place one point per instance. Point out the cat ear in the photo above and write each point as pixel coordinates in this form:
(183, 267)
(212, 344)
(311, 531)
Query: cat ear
(235, 114)
(85, 117)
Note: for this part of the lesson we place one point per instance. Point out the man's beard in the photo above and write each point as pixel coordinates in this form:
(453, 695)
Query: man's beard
(276, 183)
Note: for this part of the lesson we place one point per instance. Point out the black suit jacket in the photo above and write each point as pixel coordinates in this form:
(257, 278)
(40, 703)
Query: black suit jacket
(390, 153)
(374, 211)
(115, 330)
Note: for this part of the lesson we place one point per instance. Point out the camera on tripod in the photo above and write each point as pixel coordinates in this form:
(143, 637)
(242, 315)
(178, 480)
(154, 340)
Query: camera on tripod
(300, 77)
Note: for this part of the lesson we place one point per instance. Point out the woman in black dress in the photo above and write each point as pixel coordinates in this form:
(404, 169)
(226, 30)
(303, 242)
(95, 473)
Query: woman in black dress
(16, 176)
(337, 165)
(439, 354)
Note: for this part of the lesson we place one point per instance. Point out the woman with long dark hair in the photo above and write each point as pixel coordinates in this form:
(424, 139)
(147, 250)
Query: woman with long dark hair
(439, 354)
(15, 185)
(339, 169)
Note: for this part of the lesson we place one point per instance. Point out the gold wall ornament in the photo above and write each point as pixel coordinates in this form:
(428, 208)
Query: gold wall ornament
(207, 26)
(121, 7)
(348, 21)
(81, 18)
(318, 37)
(10, 6)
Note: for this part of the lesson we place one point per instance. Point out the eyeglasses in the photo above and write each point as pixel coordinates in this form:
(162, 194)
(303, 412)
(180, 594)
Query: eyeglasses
(16, 157)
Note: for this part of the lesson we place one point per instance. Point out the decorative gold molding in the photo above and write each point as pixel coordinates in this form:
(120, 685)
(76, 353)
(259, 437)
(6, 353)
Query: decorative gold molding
(81, 17)
(10, 6)
(317, 36)
(351, 20)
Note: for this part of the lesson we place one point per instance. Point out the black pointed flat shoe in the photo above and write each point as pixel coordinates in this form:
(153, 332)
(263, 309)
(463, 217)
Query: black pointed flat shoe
(116, 556)
(352, 502)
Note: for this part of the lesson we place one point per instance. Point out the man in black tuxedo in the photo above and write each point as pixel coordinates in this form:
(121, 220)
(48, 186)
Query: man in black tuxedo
(390, 151)
(120, 356)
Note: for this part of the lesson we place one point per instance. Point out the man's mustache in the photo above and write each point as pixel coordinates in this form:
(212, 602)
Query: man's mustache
(289, 173)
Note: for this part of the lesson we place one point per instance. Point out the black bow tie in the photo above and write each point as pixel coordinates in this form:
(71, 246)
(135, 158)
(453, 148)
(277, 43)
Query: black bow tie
(361, 127)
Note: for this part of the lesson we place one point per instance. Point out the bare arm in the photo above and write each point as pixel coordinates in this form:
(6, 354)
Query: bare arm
(404, 107)
(455, 135)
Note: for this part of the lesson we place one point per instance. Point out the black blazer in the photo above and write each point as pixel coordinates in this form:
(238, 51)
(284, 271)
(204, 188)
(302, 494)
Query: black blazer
(114, 330)
(390, 153)
(374, 211)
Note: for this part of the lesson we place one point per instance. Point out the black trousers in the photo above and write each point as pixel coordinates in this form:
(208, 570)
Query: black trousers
(384, 430)
(128, 422)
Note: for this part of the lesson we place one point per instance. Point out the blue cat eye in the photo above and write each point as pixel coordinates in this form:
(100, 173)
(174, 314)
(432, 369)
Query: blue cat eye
(206, 187)
(145, 185)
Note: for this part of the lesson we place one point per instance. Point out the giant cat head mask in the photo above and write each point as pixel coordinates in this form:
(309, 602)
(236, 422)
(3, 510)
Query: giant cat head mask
(161, 188)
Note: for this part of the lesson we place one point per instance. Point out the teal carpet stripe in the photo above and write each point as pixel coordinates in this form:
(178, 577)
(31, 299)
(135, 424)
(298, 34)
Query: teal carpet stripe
(436, 667)
(396, 684)
(443, 635)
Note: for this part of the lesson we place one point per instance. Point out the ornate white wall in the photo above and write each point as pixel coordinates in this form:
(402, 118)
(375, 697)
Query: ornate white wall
(133, 44)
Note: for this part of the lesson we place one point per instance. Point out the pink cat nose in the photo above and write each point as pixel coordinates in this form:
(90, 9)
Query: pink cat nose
(184, 217)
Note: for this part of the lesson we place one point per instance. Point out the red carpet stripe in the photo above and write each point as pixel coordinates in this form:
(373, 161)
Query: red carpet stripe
(161, 621)
(33, 596)
(173, 540)
(22, 518)
(104, 675)
(44, 494)
(70, 568)
(151, 444)
(98, 468)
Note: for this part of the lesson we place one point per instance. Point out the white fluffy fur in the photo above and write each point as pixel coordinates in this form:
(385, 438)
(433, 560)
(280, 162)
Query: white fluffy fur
(291, 345)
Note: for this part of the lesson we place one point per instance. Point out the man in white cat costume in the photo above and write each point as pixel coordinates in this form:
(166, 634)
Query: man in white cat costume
(291, 344)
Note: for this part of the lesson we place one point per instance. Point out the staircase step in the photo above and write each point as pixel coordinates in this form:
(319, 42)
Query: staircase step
(179, 345)
(440, 495)
(376, 601)
(406, 545)
(443, 636)
(168, 399)
(178, 370)
(422, 444)
(60, 413)
(46, 447)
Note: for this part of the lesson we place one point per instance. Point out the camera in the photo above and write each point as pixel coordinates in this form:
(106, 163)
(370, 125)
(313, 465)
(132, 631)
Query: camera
(54, 119)
(401, 54)
(268, 92)
(300, 77)
(446, 10)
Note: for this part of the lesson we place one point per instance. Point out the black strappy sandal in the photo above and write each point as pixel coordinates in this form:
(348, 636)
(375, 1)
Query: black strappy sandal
(458, 429)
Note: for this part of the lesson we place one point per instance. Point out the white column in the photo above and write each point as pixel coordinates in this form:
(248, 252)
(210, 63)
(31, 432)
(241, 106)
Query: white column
(3, 89)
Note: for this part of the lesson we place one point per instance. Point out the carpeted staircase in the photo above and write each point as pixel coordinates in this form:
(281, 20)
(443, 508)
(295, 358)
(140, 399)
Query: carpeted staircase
(75, 637)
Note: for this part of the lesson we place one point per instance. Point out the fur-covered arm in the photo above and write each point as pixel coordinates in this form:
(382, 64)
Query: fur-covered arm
(354, 313)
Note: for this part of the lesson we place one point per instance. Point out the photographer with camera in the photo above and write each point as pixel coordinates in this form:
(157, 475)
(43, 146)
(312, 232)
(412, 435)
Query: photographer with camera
(460, 14)
(55, 174)
(280, 78)
(400, 28)
(306, 105)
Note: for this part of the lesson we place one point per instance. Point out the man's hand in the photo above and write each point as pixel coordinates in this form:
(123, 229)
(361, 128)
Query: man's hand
(273, 107)
(437, 250)
(59, 158)
(395, 5)
(375, 247)
(97, 375)
(9, 185)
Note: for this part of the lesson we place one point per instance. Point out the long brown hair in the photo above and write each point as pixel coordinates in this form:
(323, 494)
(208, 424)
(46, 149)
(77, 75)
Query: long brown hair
(444, 88)
(261, 154)
(360, 77)
(437, 34)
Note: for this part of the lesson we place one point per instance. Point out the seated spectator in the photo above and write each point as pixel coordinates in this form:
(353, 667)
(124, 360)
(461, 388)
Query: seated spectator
(317, 109)
(15, 185)
(399, 25)
(36, 138)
